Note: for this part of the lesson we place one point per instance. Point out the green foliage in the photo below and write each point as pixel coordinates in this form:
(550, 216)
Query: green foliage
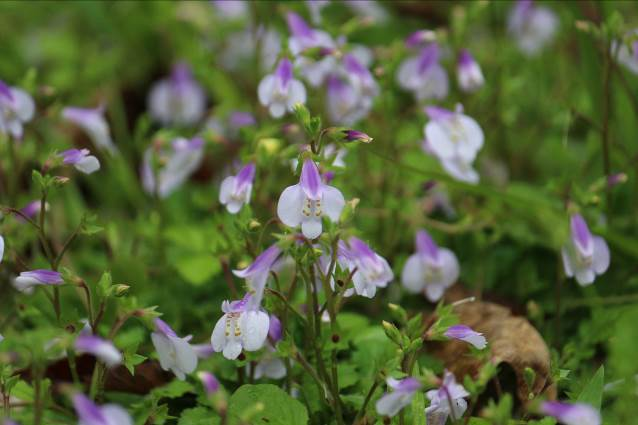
(266, 404)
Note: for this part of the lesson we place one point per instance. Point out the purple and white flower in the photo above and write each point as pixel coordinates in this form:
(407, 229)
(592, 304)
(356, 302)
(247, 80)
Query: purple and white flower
(404, 389)
(532, 27)
(91, 414)
(16, 108)
(431, 270)
(179, 161)
(81, 159)
(28, 280)
(93, 122)
(372, 270)
(627, 54)
(304, 204)
(257, 273)
(572, 414)
(469, 72)
(344, 102)
(209, 381)
(584, 256)
(235, 190)
(423, 75)
(279, 91)
(454, 139)
(447, 401)
(177, 100)
(175, 353)
(465, 333)
(101, 348)
(240, 328)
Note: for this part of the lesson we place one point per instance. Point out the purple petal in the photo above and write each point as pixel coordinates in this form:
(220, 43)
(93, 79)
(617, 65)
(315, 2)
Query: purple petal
(580, 233)
(355, 67)
(73, 156)
(163, 328)
(274, 330)
(88, 412)
(310, 180)
(31, 209)
(429, 56)
(437, 113)
(262, 263)
(359, 249)
(571, 414)
(245, 176)
(284, 72)
(240, 119)
(5, 91)
(203, 351)
(298, 27)
(328, 176)
(465, 59)
(426, 246)
(210, 382)
(49, 277)
(408, 385)
(237, 306)
(359, 136)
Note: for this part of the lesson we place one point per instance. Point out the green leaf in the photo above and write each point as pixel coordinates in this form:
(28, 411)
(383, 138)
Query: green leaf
(173, 389)
(593, 392)
(198, 416)
(266, 404)
(198, 268)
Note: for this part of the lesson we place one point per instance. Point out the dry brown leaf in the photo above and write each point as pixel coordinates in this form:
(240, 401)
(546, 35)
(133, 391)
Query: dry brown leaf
(512, 340)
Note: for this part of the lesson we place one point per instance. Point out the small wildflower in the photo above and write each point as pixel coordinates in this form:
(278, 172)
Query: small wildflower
(584, 255)
(81, 160)
(404, 389)
(465, 333)
(175, 353)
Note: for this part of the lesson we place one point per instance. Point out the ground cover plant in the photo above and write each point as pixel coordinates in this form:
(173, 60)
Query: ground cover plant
(318, 212)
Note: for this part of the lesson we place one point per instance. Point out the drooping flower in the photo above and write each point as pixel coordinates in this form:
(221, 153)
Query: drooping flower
(344, 103)
(179, 161)
(240, 328)
(465, 333)
(257, 274)
(469, 72)
(431, 270)
(423, 75)
(26, 281)
(371, 271)
(279, 91)
(177, 100)
(175, 353)
(210, 382)
(572, 414)
(93, 122)
(101, 348)
(16, 108)
(584, 255)
(404, 389)
(532, 27)
(91, 414)
(269, 365)
(356, 136)
(454, 139)
(308, 201)
(81, 160)
(235, 190)
(447, 401)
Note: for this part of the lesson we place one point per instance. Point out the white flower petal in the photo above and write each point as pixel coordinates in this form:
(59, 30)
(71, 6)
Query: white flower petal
(567, 261)
(290, 205)
(254, 326)
(232, 350)
(585, 276)
(332, 202)
(1, 248)
(311, 227)
(218, 337)
(226, 189)
(88, 164)
(439, 140)
(449, 266)
(164, 349)
(389, 404)
(434, 292)
(185, 356)
(277, 110)
(24, 106)
(116, 415)
(266, 89)
(296, 94)
(601, 257)
(413, 275)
